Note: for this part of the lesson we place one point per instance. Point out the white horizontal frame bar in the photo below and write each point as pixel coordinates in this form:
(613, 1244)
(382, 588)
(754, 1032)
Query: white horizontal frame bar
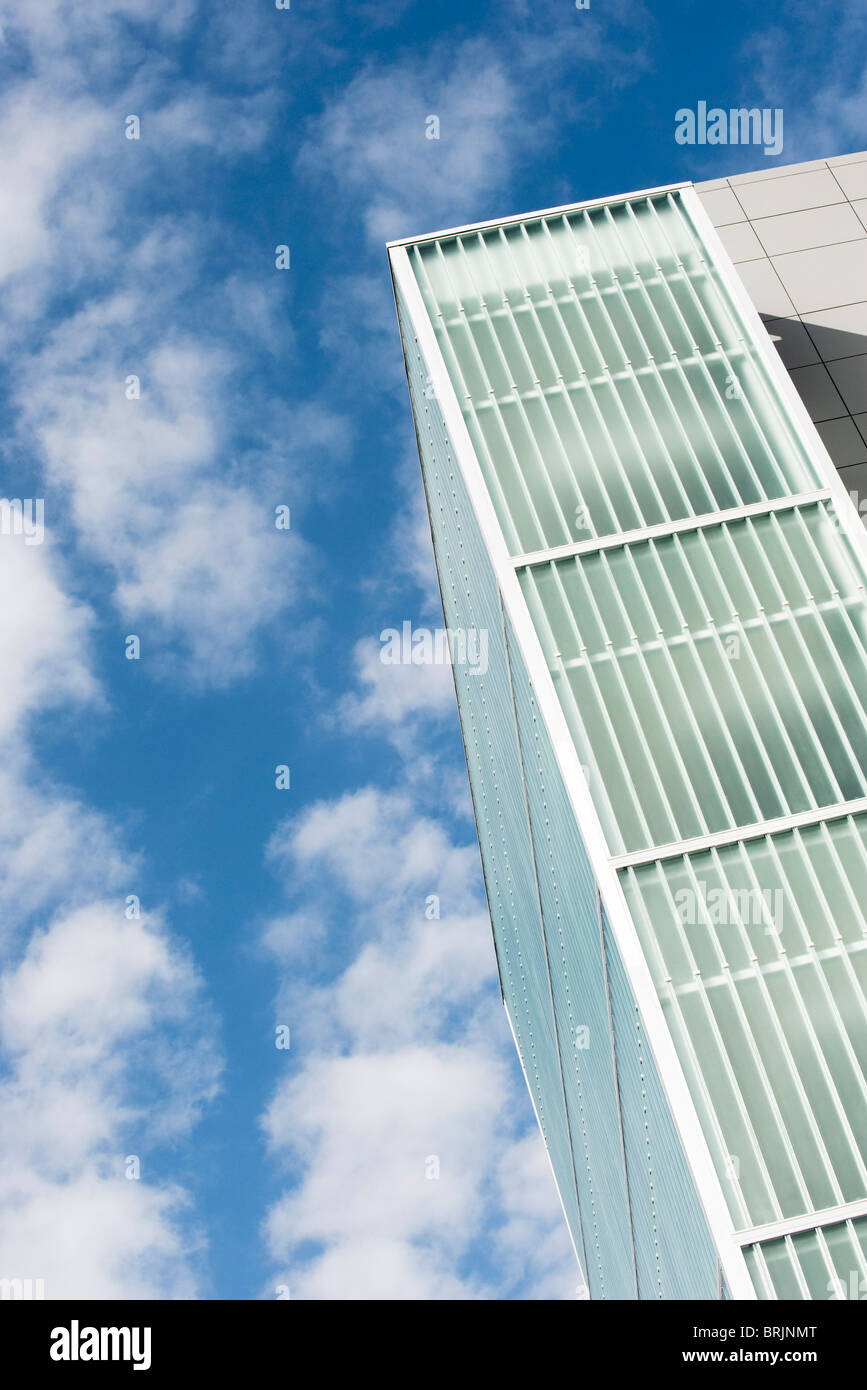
(671, 528)
(810, 1221)
(531, 216)
(736, 833)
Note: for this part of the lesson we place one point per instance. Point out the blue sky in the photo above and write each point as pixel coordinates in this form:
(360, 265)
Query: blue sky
(154, 1035)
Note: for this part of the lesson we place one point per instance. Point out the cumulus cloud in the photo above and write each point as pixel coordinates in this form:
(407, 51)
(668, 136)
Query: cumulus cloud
(139, 468)
(169, 485)
(106, 1048)
(825, 101)
(373, 137)
(44, 634)
(108, 1051)
(397, 1124)
(390, 694)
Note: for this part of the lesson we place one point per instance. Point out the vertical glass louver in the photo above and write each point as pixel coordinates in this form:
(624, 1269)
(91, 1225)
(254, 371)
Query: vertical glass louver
(700, 614)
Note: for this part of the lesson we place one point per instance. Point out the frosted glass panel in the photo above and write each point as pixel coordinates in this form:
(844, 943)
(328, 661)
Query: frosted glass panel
(757, 951)
(828, 1263)
(604, 373)
(711, 679)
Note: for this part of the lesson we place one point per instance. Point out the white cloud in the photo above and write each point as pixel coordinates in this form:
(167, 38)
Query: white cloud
(108, 1052)
(404, 1069)
(374, 135)
(196, 558)
(391, 694)
(44, 140)
(44, 635)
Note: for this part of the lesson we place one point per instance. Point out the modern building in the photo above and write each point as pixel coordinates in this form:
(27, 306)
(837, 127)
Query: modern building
(667, 748)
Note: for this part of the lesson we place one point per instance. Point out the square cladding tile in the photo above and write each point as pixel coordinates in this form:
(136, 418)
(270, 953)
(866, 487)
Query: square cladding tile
(852, 178)
(857, 157)
(741, 242)
(776, 171)
(843, 441)
(792, 341)
(850, 379)
(799, 231)
(765, 289)
(840, 332)
(721, 206)
(794, 193)
(818, 392)
(818, 279)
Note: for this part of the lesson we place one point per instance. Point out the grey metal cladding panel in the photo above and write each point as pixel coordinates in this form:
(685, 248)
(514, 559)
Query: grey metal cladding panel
(494, 770)
(771, 197)
(675, 1254)
(569, 906)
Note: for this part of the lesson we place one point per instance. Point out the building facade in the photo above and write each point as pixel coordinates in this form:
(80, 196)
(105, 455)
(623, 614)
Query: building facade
(667, 748)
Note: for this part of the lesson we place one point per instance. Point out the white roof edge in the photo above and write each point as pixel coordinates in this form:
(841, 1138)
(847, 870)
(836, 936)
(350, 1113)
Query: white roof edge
(543, 212)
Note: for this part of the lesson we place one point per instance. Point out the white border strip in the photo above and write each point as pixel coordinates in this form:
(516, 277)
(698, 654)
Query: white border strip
(638, 973)
(810, 1221)
(532, 216)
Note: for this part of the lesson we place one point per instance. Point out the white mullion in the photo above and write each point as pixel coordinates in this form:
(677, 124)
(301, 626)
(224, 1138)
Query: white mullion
(744, 396)
(633, 379)
(675, 363)
(825, 1253)
(665, 652)
(664, 984)
(705, 682)
(759, 1267)
(450, 356)
(721, 351)
(739, 696)
(797, 1268)
(857, 1249)
(616, 740)
(749, 1037)
(816, 965)
(815, 607)
(476, 353)
(626, 695)
(778, 656)
(575, 300)
(846, 884)
(543, 625)
(753, 661)
(564, 389)
(743, 319)
(820, 626)
(483, 373)
(599, 299)
(516, 398)
(839, 607)
(541, 395)
(788, 1055)
(844, 946)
